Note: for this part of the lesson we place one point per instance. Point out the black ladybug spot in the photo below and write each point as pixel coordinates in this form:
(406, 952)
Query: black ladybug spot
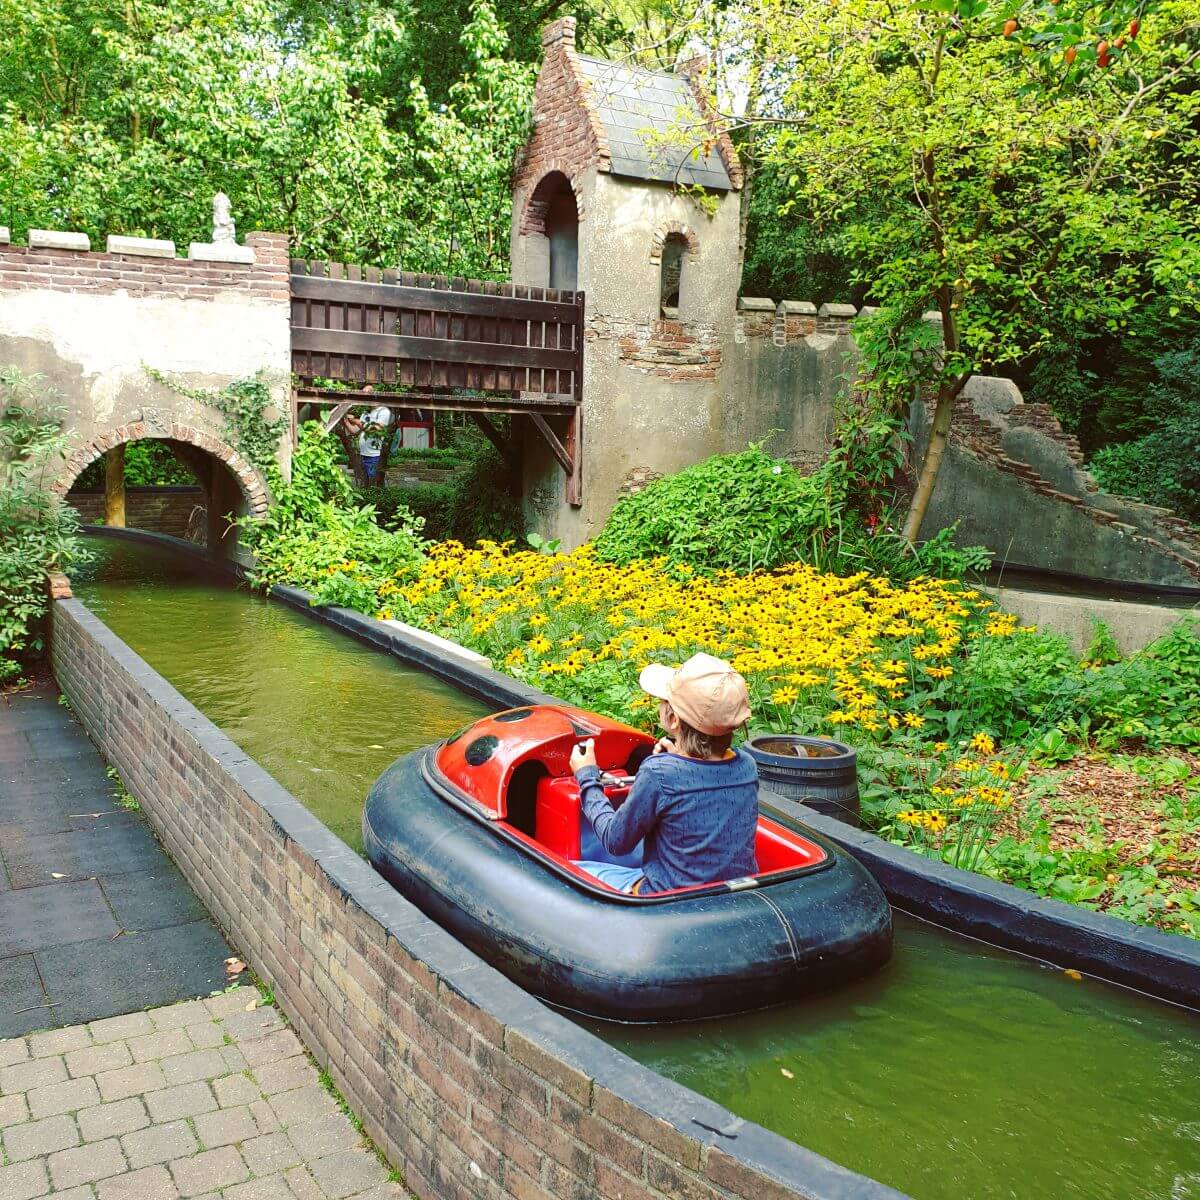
(457, 734)
(517, 714)
(582, 731)
(481, 749)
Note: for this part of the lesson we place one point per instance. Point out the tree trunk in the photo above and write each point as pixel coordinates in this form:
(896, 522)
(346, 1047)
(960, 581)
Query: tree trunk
(350, 445)
(939, 434)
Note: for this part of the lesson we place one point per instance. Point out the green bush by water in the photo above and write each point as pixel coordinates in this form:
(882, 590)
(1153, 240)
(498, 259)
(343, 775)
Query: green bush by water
(474, 503)
(316, 537)
(37, 534)
(749, 511)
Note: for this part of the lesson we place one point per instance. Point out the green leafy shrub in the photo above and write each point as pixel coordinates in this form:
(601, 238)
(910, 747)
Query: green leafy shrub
(474, 504)
(1163, 466)
(317, 538)
(749, 511)
(734, 511)
(1017, 685)
(37, 533)
(1153, 697)
(147, 464)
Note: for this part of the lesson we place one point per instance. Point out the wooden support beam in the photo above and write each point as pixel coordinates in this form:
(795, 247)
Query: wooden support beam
(557, 448)
(493, 435)
(114, 487)
(335, 417)
(574, 448)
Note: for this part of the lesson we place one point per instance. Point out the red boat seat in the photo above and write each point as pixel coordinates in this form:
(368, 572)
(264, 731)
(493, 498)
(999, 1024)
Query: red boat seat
(559, 813)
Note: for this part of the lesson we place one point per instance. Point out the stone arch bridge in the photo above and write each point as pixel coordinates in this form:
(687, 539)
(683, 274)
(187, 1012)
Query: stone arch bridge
(132, 339)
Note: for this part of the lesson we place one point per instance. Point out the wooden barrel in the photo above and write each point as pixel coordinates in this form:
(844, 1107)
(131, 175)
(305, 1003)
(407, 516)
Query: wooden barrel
(818, 772)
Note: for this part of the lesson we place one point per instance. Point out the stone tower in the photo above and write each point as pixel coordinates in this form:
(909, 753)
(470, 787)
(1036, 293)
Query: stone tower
(605, 201)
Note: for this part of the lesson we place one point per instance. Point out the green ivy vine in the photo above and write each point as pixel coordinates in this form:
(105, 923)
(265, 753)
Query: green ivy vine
(242, 405)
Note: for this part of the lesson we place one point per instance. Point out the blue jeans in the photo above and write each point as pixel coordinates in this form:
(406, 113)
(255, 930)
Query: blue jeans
(615, 875)
(370, 464)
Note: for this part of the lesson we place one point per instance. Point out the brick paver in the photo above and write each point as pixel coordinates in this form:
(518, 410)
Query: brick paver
(204, 1100)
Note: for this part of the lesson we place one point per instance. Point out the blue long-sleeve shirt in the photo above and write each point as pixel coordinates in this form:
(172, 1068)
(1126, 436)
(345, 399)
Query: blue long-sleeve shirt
(698, 819)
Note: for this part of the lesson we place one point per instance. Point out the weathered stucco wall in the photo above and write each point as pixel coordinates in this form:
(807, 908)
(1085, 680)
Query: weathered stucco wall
(92, 323)
(1015, 483)
(786, 367)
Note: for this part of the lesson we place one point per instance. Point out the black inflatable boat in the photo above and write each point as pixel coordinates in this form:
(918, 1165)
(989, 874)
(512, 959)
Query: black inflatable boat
(482, 833)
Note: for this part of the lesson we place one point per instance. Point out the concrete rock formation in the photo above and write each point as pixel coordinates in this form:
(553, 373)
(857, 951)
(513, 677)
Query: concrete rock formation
(1015, 482)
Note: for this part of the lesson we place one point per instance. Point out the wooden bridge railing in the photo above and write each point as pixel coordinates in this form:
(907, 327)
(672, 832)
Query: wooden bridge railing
(427, 341)
(369, 325)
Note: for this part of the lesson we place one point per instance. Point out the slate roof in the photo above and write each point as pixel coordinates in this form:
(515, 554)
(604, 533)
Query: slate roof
(632, 103)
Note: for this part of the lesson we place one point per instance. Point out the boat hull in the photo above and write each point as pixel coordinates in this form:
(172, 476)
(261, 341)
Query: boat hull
(696, 956)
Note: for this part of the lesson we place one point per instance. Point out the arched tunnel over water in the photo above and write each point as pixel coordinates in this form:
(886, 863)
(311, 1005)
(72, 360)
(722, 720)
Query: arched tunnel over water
(958, 1072)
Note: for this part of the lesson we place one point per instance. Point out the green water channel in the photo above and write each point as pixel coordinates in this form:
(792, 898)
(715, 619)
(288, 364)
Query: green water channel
(958, 1073)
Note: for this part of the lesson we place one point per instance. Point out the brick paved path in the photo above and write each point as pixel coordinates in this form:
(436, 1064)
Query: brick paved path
(201, 1099)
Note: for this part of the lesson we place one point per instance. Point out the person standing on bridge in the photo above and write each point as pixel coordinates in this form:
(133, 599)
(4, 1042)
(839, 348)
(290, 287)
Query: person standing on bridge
(372, 430)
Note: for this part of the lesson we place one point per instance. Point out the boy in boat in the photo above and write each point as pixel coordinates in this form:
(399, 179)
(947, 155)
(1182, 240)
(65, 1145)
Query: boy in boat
(694, 800)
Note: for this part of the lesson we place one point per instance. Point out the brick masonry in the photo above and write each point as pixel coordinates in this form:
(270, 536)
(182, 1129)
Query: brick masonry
(158, 509)
(567, 136)
(470, 1086)
(23, 268)
(679, 351)
(253, 486)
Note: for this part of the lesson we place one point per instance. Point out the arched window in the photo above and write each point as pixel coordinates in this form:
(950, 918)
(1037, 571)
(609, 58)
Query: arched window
(671, 279)
(551, 224)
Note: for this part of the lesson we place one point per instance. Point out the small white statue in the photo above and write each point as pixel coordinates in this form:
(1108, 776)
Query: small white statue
(223, 230)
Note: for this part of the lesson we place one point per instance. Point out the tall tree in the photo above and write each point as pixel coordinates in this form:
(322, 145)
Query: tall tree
(996, 163)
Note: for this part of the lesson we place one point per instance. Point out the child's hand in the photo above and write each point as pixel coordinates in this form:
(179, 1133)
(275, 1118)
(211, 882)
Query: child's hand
(664, 745)
(583, 755)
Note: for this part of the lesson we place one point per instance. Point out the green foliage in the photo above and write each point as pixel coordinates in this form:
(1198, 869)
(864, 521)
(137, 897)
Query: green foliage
(148, 463)
(1162, 466)
(37, 534)
(793, 257)
(368, 132)
(475, 503)
(252, 425)
(315, 537)
(1144, 879)
(749, 511)
(1030, 688)
(1153, 697)
(1011, 183)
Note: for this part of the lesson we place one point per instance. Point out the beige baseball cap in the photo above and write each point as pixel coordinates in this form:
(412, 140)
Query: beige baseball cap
(706, 692)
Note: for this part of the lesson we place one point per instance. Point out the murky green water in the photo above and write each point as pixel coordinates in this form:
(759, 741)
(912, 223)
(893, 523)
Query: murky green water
(958, 1073)
(323, 713)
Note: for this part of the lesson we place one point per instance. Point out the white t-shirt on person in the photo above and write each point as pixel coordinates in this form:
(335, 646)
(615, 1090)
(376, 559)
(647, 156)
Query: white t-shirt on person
(376, 425)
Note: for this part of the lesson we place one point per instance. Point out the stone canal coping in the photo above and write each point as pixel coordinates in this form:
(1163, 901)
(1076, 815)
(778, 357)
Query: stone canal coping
(467, 1083)
(1162, 965)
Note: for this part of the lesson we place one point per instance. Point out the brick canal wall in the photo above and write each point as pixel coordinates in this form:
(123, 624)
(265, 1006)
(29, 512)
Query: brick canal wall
(158, 509)
(468, 1084)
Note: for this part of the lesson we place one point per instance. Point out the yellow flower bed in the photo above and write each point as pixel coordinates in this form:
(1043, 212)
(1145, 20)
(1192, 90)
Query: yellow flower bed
(854, 657)
(822, 653)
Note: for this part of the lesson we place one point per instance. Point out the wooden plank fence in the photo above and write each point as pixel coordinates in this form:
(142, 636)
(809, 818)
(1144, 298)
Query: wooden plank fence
(383, 327)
